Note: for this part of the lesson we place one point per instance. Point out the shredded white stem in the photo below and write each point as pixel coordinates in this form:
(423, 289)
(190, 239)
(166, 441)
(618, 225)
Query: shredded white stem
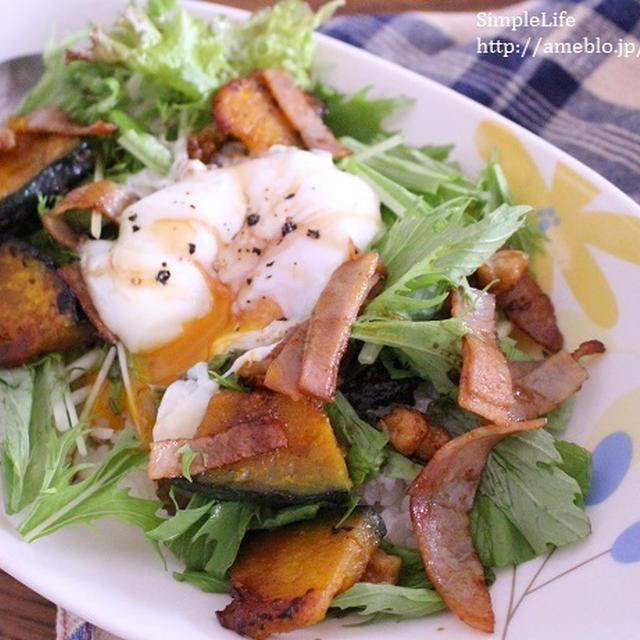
(126, 381)
(78, 396)
(379, 148)
(80, 366)
(97, 385)
(73, 419)
(96, 224)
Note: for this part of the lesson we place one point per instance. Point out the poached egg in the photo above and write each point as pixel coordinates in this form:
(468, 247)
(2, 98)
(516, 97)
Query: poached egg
(225, 253)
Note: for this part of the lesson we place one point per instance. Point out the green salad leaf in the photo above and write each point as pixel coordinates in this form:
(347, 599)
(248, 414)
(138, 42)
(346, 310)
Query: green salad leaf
(366, 445)
(530, 498)
(390, 600)
(357, 115)
(206, 535)
(62, 502)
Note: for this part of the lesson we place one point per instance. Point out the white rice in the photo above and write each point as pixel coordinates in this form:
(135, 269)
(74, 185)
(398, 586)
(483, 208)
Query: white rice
(388, 496)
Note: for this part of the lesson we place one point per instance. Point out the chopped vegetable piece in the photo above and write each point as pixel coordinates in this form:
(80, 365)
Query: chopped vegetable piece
(311, 467)
(441, 497)
(382, 567)
(209, 452)
(286, 579)
(38, 165)
(37, 309)
(245, 109)
(295, 105)
(330, 324)
(529, 308)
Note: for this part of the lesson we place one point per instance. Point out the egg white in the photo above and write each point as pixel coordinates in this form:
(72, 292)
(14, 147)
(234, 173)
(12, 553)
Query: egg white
(274, 227)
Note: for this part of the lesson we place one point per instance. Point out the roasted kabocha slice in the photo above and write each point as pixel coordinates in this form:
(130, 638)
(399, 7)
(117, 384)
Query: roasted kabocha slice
(38, 164)
(286, 579)
(38, 312)
(311, 468)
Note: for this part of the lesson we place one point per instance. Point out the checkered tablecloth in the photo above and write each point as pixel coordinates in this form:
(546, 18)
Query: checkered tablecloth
(585, 103)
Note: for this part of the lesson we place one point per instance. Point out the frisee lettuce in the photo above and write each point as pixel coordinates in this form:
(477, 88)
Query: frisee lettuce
(154, 71)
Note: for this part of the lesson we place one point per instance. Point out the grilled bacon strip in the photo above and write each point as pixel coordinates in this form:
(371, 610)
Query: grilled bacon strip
(295, 105)
(330, 323)
(530, 309)
(440, 499)
(283, 372)
(72, 276)
(485, 379)
(105, 197)
(239, 442)
(55, 120)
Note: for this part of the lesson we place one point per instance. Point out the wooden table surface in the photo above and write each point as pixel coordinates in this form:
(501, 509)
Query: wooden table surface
(24, 615)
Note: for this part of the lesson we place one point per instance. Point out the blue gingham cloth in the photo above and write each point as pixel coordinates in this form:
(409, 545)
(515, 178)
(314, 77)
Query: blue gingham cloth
(585, 103)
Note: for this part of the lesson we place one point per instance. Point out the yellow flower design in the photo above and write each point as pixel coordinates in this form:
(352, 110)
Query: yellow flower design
(560, 210)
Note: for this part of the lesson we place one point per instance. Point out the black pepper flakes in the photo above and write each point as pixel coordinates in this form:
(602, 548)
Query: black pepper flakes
(282, 319)
(269, 276)
(192, 248)
(192, 206)
(256, 250)
(163, 276)
(135, 228)
(270, 264)
(249, 280)
(164, 264)
(291, 195)
(132, 217)
(313, 233)
(288, 226)
(253, 218)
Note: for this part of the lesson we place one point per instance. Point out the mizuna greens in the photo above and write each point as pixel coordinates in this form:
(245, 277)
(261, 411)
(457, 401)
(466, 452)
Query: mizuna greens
(153, 74)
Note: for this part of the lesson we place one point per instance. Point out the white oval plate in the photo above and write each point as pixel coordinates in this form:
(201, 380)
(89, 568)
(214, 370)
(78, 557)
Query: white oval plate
(108, 573)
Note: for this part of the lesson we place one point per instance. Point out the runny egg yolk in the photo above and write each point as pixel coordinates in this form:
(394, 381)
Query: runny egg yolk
(200, 339)
(226, 255)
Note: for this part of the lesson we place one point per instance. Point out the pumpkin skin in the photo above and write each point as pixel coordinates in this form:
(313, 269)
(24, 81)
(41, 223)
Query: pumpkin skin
(39, 164)
(311, 468)
(286, 579)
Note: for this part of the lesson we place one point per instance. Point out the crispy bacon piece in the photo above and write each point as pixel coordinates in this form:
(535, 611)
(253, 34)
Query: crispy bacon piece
(331, 319)
(530, 309)
(485, 381)
(441, 497)
(504, 269)
(588, 348)
(72, 276)
(7, 139)
(295, 105)
(105, 197)
(236, 443)
(407, 428)
(55, 120)
(203, 144)
(284, 371)
(543, 385)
